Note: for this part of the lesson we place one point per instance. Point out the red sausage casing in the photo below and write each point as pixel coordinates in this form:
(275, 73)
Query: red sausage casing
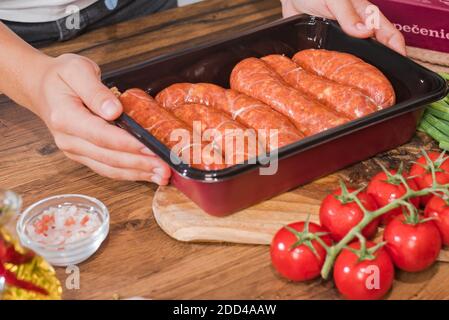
(255, 78)
(349, 70)
(235, 142)
(344, 99)
(161, 123)
(274, 130)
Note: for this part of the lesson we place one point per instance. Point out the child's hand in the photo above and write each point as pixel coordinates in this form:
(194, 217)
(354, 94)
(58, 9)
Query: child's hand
(69, 84)
(351, 14)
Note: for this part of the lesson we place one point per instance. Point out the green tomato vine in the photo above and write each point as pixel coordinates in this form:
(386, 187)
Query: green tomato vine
(436, 188)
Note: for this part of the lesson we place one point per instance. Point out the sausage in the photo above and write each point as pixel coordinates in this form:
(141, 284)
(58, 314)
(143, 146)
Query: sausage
(344, 99)
(160, 123)
(181, 93)
(350, 70)
(235, 142)
(255, 78)
(274, 130)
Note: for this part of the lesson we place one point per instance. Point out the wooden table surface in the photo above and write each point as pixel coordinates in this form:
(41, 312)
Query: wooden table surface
(138, 259)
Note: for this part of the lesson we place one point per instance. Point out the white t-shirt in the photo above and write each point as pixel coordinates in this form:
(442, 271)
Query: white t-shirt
(42, 10)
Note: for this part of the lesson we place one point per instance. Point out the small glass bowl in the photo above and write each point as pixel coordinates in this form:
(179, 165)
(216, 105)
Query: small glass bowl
(74, 252)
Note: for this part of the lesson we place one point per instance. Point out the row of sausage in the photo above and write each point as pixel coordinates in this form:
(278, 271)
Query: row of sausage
(282, 100)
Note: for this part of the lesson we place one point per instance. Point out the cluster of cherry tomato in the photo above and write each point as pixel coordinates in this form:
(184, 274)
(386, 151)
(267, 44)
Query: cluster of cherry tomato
(363, 269)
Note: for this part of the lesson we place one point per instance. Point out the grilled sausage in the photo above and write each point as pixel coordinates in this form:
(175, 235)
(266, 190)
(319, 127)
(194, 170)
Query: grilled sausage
(255, 78)
(160, 123)
(274, 130)
(235, 142)
(344, 99)
(349, 70)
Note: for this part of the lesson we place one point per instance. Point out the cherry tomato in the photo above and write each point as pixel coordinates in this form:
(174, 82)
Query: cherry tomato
(368, 279)
(385, 189)
(413, 247)
(423, 176)
(297, 262)
(438, 208)
(340, 216)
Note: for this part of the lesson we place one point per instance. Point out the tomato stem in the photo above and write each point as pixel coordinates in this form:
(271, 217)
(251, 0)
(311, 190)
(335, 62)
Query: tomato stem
(306, 237)
(365, 253)
(394, 179)
(345, 196)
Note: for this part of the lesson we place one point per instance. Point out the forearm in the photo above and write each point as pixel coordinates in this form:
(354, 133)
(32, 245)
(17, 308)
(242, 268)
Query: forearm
(66, 92)
(21, 67)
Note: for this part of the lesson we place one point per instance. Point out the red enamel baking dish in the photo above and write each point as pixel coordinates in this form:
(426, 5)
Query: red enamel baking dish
(224, 192)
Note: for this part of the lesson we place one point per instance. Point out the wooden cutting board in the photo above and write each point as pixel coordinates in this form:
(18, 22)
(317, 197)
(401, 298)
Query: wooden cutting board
(183, 220)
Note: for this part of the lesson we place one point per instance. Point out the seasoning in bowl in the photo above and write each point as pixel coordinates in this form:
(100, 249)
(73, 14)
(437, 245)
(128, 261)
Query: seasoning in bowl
(63, 225)
(65, 229)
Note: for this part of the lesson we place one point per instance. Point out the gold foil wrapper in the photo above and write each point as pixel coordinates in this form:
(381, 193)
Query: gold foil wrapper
(37, 271)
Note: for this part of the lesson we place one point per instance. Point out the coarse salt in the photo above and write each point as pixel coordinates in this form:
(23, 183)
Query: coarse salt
(63, 225)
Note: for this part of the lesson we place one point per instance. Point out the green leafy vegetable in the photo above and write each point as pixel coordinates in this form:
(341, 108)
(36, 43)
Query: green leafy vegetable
(435, 121)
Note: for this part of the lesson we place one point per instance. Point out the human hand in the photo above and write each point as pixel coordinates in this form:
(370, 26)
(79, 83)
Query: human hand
(352, 16)
(76, 106)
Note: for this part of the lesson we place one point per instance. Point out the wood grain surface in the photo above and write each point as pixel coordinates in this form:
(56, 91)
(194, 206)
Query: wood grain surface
(138, 258)
(183, 220)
